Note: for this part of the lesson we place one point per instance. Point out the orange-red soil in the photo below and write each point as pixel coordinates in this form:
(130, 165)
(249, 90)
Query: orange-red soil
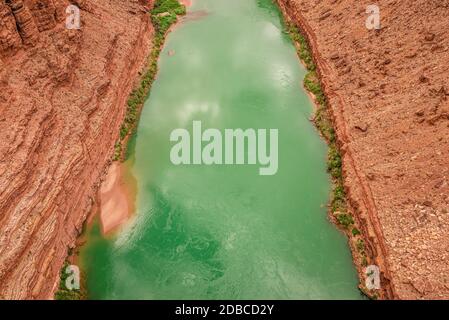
(115, 206)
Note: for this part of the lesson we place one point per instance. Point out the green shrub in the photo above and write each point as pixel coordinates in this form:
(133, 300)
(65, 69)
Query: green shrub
(304, 51)
(339, 198)
(360, 245)
(161, 6)
(345, 219)
(117, 151)
(312, 84)
(65, 294)
(334, 163)
(364, 261)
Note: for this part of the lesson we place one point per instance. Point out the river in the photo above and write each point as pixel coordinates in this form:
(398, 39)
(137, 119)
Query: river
(224, 231)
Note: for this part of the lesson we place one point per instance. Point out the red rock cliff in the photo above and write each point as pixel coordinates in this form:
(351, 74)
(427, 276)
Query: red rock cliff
(388, 93)
(62, 100)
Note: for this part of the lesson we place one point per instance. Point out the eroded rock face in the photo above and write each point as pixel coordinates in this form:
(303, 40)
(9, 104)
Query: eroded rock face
(25, 21)
(388, 93)
(22, 21)
(44, 13)
(62, 101)
(10, 40)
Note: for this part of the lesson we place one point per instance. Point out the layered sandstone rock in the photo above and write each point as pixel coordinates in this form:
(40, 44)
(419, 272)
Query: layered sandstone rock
(62, 101)
(22, 21)
(10, 39)
(44, 13)
(388, 92)
(25, 21)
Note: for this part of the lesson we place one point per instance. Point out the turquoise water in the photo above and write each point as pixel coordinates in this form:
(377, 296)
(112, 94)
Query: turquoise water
(225, 232)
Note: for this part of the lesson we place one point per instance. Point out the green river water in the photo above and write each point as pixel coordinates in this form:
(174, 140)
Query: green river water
(224, 231)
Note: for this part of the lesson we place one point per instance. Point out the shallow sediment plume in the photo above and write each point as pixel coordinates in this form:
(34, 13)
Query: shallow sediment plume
(388, 99)
(62, 100)
(116, 203)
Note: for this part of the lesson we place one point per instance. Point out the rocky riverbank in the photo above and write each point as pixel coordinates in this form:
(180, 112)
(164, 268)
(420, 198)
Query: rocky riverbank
(387, 95)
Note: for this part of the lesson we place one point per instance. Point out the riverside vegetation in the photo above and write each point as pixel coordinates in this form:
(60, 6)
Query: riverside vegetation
(64, 293)
(323, 122)
(164, 14)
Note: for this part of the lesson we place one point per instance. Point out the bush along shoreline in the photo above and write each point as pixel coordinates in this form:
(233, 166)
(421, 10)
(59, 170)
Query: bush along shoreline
(65, 293)
(164, 14)
(337, 206)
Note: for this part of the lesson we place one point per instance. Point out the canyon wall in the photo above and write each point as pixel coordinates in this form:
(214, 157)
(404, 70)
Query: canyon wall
(388, 93)
(63, 97)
